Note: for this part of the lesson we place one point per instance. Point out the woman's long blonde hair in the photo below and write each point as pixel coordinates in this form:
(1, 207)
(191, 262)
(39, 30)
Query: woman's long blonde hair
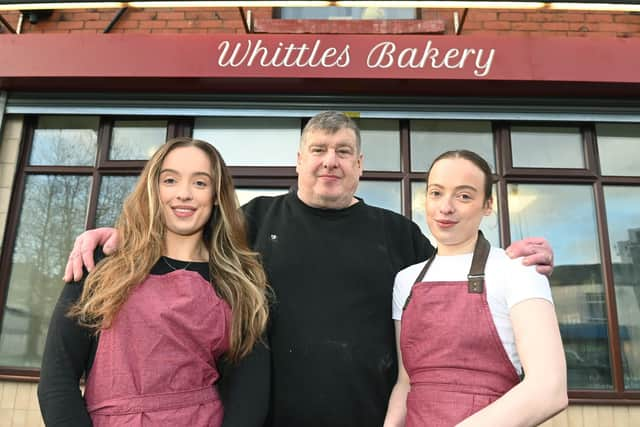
(235, 270)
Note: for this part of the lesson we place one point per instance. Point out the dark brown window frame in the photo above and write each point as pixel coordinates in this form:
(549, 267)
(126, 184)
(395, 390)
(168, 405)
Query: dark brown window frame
(285, 178)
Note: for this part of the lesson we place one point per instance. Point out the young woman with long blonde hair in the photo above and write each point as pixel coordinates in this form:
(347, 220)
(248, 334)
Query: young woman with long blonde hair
(148, 326)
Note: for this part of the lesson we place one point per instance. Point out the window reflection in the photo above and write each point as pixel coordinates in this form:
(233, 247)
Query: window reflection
(547, 147)
(619, 148)
(381, 194)
(623, 220)
(430, 138)
(251, 141)
(565, 215)
(489, 225)
(136, 140)
(65, 141)
(380, 144)
(53, 213)
(113, 191)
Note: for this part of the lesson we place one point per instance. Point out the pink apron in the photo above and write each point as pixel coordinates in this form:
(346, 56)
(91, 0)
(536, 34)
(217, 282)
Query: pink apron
(451, 349)
(156, 364)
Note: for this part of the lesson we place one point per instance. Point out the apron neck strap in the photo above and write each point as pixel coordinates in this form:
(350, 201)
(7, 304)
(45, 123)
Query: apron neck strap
(476, 272)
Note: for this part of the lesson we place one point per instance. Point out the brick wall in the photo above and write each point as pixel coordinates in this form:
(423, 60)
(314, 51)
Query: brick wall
(229, 20)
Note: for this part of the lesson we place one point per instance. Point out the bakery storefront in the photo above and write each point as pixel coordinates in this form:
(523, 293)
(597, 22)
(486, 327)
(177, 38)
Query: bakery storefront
(558, 120)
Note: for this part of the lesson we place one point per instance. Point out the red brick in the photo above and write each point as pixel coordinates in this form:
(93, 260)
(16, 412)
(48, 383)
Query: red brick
(496, 25)
(472, 25)
(140, 15)
(525, 26)
(152, 24)
(627, 19)
(579, 26)
(170, 15)
(84, 16)
(96, 24)
(69, 25)
(199, 15)
(555, 26)
(482, 16)
(511, 16)
(124, 24)
(598, 17)
(164, 30)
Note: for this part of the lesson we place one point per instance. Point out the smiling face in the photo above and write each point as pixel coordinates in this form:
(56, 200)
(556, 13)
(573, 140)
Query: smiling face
(329, 168)
(185, 189)
(455, 204)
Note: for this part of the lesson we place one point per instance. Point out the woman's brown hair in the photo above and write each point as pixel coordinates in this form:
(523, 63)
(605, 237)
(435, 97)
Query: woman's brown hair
(235, 270)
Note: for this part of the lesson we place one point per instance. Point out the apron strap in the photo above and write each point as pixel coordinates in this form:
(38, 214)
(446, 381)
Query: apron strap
(476, 272)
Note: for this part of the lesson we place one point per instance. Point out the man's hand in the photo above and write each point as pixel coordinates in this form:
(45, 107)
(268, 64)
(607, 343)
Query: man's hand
(536, 251)
(82, 252)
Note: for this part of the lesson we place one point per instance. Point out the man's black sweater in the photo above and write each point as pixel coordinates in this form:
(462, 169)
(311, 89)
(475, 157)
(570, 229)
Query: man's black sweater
(331, 335)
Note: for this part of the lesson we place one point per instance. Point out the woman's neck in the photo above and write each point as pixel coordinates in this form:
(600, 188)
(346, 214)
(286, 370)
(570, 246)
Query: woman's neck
(185, 248)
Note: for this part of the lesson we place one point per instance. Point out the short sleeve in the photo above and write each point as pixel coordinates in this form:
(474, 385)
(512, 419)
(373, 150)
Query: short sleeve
(526, 283)
(402, 288)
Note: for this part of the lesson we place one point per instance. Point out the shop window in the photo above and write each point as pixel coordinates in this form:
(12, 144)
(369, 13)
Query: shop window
(136, 139)
(334, 12)
(113, 191)
(67, 187)
(381, 193)
(566, 216)
(619, 148)
(53, 212)
(245, 195)
(380, 144)
(430, 138)
(576, 185)
(252, 141)
(547, 147)
(623, 222)
(65, 141)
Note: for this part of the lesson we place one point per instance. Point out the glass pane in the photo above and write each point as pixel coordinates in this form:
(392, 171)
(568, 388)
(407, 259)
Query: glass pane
(623, 218)
(136, 140)
(489, 225)
(113, 191)
(380, 144)
(53, 214)
(430, 138)
(251, 141)
(565, 215)
(335, 12)
(381, 194)
(545, 147)
(65, 141)
(245, 195)
(619, 148)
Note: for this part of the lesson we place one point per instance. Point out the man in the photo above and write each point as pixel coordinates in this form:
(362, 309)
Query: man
(331, 260)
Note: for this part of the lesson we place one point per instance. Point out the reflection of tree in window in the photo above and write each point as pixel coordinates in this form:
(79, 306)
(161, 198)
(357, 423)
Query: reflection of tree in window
(53, 213)
(113, 191)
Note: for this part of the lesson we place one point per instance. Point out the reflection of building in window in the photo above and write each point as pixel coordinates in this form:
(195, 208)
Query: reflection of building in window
(578, 294)
(595, 307)
(629, 250)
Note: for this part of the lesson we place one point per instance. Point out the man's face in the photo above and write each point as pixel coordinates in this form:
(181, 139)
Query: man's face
(329, 168)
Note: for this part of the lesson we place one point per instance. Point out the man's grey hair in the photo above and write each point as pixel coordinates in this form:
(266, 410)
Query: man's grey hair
(331, 122)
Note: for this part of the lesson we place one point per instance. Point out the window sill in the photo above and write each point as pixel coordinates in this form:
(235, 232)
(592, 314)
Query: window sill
(355, 26)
